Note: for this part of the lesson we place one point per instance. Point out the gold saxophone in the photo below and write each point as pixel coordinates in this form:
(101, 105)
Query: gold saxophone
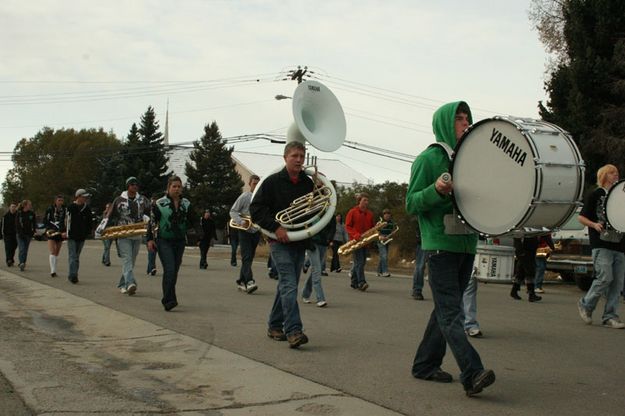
(125, 231)
(365, 239)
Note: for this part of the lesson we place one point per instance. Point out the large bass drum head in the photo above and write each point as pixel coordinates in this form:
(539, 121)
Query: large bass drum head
(494, 176)
(615, 206)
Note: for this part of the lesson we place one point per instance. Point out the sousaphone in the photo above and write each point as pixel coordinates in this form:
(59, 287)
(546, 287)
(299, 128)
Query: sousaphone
(320, 121)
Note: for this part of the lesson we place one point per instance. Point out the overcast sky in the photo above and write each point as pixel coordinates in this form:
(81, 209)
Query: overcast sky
(78, 64)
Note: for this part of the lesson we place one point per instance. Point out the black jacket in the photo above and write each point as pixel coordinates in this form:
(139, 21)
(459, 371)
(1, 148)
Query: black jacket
(79, 221)
(275, 194)
(8, 225)
(208, 229)
(25, 224)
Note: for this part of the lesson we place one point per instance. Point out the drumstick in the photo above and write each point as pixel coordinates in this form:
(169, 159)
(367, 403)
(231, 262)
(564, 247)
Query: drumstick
(446, 177)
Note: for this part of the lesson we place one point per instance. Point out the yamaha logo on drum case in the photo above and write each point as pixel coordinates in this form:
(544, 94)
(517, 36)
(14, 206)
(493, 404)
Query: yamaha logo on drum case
(508, 147)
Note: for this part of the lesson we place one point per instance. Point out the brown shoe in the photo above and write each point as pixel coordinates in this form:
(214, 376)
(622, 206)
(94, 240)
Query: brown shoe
(276, 334)
(297, 339)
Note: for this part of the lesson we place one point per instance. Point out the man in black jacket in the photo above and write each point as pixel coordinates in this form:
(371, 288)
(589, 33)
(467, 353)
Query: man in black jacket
(8, 233)
(276, 193)
(79, 224)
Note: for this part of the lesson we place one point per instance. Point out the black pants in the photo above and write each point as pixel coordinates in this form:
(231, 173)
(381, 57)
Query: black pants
(248, 243)
(204, 246)
(10, 245)
(336, 264)
(525, 269)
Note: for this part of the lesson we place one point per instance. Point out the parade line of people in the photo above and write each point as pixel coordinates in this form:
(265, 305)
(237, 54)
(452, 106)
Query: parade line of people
(447, 252)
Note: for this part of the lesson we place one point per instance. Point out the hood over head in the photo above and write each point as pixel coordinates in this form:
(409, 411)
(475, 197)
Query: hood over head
(443, 122)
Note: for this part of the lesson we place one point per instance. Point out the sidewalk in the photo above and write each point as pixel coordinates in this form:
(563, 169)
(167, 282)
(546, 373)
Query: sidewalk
(67, 355)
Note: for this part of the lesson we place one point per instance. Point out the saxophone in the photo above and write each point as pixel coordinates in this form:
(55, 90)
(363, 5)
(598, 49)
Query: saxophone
(365, 239)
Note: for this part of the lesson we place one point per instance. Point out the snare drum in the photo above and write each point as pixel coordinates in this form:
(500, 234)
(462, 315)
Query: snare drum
(614, 206)
(516, 176)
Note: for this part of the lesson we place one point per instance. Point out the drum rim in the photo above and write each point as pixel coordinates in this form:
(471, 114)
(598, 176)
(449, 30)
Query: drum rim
(530, 208)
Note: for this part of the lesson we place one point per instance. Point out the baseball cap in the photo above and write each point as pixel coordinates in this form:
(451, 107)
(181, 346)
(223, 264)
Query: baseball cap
(82, 192)
(131, 180)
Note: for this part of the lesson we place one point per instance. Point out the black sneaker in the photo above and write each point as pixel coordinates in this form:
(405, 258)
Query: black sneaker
(481, 380)
(418, 296)
(440, 376)
(297, 339)
(363, 286)
(170, 305)
(22, 266)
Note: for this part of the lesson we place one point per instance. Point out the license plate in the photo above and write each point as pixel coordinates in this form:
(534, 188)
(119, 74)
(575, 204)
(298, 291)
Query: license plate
(580, 269)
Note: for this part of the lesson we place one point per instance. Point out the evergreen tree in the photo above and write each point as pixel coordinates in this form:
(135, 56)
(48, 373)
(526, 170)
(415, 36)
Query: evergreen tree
(145, 155)
(213, 181)
(587, 87)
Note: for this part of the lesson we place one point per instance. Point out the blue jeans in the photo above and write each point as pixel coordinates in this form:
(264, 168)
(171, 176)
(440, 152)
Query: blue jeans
(541, 266)
(74, 247)
(419, 271)
(609, 274)
(449, 276)
(322, 256)
(23, 243)
(469, 304)
(128, 250)
(106, 255)
(151, 261)
(314, 280)
(358, 269)
(383, 263)
(170, 252)
(248, 243)
(289, 260)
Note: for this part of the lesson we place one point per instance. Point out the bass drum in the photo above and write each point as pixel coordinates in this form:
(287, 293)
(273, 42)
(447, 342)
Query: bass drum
(516, 176)
(615, 206)
(494, 263)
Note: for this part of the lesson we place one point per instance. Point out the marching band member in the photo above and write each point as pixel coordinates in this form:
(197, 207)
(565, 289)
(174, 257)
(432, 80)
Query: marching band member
(383, 248)
(248, 239)
(275, 194)
(79, 225)
(449, 256)
(607, 254)
(54, 222)
(25, 230)
(9, 234)
(358, 220)
(525, 267)
(128, 208)
(208, 234)
(170, 218)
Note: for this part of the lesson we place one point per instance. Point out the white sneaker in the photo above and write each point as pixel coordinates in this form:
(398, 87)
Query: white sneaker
(614, 323)
(387, 274)
(123, 290)
(322, 304)
(242, 287)
(132, 288)
(583, 313)
(306, 300)
(251, 287)
(474, 332)
(539, 290)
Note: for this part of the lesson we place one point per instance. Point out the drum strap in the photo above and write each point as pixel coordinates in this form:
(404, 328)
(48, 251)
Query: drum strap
(445, 147)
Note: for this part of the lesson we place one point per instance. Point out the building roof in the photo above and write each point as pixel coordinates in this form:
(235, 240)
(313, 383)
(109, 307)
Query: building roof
(263, 164)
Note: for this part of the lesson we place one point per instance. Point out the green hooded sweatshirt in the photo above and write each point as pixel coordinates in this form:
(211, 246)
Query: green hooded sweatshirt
(422, 198)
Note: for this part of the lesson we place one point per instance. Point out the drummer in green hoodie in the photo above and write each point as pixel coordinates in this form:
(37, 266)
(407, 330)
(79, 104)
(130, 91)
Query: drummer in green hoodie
(449, 251)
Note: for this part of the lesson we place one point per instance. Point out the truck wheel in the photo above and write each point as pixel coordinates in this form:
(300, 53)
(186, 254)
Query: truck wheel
(583, 281)
(568, 276)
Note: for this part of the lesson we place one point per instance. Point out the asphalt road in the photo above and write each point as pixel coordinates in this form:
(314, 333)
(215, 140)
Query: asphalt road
(547, 361)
